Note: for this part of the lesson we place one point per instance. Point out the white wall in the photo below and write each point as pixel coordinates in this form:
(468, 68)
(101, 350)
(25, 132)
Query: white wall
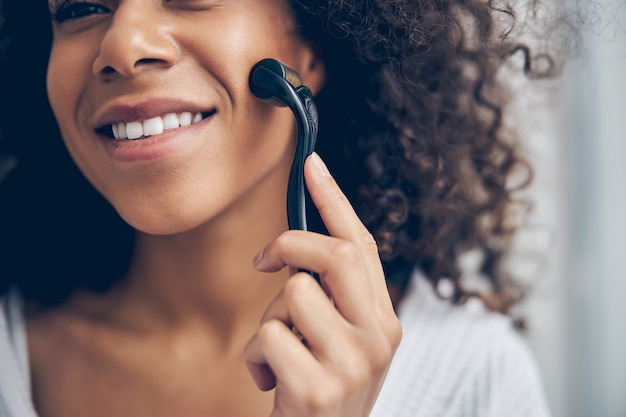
(577, 314)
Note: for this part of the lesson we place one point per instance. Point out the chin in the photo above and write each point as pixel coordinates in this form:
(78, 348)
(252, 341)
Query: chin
(166, 228)
(164, 222)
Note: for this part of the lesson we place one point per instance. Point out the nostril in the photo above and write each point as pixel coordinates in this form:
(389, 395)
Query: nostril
(128, 51)
(148, 61)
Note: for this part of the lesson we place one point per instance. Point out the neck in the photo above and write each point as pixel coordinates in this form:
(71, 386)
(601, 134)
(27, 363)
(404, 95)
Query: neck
(205, 276)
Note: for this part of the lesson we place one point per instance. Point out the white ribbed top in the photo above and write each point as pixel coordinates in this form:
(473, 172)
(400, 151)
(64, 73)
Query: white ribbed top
(15, 392)
(460, 361)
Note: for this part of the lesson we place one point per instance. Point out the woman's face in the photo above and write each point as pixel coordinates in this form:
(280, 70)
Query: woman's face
(127, 77)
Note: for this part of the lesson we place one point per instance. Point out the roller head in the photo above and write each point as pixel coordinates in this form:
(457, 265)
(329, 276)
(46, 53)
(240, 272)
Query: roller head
(262, 84)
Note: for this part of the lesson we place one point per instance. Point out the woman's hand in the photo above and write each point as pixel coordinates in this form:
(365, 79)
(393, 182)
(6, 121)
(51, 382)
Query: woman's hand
(347, 331)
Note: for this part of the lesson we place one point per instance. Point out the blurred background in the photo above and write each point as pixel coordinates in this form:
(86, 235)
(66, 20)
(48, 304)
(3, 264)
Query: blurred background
(576, 313)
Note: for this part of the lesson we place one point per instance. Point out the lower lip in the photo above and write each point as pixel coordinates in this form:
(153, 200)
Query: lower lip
(153, 147)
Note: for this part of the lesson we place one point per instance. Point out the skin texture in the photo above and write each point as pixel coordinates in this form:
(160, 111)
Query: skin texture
(179, 334)
(143, 54)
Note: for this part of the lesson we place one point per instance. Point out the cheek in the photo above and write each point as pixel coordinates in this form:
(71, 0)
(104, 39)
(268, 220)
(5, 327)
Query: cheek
(67, 76)
(64, 79)
(57, 96)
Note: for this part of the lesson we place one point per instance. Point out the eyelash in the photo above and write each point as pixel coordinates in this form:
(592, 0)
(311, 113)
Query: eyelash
(61, 11)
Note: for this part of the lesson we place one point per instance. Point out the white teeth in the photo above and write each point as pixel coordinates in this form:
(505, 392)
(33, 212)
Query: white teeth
(154, 126)
(119, 131)
(134, 130)
(185, 118)
(170, 121)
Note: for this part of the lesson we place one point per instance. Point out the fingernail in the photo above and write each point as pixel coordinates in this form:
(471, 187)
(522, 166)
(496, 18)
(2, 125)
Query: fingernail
(319, 167)
(258, 258)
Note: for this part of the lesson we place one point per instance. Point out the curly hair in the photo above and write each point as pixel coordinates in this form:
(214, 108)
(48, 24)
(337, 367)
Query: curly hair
(414, 93)
(412, 101)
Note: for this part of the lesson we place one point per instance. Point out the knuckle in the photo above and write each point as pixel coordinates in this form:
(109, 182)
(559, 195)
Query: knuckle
(346, 251)
(285, 240)
(270, 331)
(297, 287)
(367, 240)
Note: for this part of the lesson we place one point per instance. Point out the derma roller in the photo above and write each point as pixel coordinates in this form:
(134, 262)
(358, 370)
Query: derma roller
(276, 83)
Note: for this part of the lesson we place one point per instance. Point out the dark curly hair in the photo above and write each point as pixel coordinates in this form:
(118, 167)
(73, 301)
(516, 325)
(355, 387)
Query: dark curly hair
(410, 124)
(415, 101)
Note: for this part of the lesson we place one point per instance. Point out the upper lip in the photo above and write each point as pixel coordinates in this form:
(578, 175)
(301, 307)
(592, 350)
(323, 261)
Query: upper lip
(132, 111)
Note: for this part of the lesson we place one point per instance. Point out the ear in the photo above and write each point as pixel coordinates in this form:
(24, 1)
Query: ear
(312, 68)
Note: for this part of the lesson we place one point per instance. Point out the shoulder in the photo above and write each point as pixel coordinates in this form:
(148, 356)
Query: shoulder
(15, 397)
(459, 360)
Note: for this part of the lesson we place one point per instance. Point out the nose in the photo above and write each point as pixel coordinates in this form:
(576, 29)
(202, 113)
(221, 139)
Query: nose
(137, 40)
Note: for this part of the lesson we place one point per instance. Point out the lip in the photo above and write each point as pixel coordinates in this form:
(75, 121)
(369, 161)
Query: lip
(127, 111)
(153, 147)
(170, 142)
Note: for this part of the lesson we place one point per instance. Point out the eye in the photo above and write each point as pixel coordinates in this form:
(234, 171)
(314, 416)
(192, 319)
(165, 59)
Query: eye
(195, 4)
(75, 9)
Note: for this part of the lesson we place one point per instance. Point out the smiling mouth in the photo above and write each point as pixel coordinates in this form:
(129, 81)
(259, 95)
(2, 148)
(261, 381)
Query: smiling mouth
(155, 126)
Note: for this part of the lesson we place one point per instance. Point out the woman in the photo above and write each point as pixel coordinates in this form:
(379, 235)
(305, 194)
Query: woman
(161, 317)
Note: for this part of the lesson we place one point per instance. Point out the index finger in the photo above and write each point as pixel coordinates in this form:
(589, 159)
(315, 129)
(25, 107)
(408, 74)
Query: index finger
(342, 221)
(335, 210)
